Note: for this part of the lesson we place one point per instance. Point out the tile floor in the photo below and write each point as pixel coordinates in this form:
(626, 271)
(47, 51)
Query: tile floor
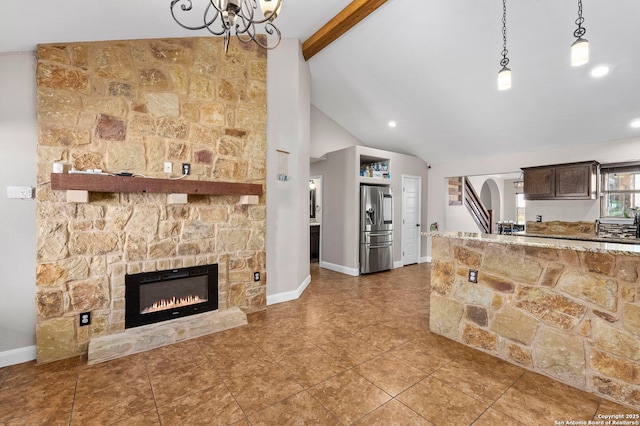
(351, 350)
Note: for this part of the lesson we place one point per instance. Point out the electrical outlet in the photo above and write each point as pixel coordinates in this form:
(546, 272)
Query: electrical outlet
(473, 276)
(256, 276)
(168, 167)
(186, 168)
(85, 319)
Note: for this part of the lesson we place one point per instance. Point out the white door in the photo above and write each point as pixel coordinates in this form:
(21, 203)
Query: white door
(410, 219)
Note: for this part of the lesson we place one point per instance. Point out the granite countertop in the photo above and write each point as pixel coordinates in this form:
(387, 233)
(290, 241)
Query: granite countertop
(592, 246)
(581, 238)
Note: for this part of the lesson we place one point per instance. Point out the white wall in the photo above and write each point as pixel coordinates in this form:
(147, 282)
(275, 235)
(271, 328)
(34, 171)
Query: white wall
(288, 121)
(509, 211)
(18, 144)
(327, 135)
(579, 210)
(566, 211)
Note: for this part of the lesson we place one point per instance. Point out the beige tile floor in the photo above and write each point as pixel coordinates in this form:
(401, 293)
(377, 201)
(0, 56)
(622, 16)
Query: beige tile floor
(351, 350)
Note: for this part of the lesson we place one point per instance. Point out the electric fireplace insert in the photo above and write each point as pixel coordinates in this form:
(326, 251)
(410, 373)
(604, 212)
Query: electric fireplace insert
(163, 295)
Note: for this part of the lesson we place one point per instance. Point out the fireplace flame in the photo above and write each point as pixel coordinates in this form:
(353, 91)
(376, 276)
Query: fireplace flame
(173, 302)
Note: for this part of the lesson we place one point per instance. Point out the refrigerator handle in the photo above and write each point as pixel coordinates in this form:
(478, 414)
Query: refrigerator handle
(380, 246)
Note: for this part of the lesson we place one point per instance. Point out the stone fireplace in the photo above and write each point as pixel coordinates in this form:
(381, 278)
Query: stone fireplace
(130, 106)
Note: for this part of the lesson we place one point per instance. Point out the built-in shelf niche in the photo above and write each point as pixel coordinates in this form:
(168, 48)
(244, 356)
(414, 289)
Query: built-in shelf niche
(377, 179)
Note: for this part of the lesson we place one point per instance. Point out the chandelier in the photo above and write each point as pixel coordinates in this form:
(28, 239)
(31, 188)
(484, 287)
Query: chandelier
(519, 183)
(220, 17)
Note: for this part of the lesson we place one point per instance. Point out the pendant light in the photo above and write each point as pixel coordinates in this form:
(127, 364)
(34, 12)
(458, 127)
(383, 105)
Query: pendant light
(519, 183)
(580, 47)
(504, 75)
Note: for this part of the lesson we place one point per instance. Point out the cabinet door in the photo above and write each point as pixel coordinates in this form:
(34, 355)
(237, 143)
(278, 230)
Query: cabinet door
(314, 240)
(539, 183)
(574, 182)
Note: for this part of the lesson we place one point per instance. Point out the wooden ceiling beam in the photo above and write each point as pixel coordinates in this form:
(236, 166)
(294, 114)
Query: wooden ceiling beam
(348, 18)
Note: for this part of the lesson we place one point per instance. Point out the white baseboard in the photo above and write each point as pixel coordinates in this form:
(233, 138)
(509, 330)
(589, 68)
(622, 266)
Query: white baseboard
(289, 295)
(398, 264)
(17, 356)
(339, 268)
(425, 259)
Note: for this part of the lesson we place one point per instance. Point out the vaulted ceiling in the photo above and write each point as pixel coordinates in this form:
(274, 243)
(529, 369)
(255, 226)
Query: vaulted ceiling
(429, 65)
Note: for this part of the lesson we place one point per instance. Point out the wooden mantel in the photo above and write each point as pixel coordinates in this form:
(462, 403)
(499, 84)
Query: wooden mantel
(109, 183)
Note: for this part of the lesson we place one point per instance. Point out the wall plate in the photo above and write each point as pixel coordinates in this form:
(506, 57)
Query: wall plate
(20, 192)
(85, 319)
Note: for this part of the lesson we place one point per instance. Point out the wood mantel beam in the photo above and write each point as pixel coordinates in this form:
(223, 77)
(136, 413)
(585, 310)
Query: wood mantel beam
(106, 183)
(348, 18)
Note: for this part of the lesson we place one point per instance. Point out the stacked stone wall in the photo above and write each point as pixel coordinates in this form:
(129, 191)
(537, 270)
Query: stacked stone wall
(130, 106)
(569, 314)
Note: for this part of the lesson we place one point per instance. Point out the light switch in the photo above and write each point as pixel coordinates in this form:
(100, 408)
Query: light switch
(22, 192)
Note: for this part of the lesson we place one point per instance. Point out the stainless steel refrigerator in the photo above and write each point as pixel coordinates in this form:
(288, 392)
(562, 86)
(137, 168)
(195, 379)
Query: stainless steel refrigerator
(376, 228)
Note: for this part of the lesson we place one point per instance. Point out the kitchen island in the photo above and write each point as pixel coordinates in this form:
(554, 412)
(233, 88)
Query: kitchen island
(567, 309)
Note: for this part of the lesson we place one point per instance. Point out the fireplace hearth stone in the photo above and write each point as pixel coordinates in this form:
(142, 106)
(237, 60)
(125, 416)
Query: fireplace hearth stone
(146, 337)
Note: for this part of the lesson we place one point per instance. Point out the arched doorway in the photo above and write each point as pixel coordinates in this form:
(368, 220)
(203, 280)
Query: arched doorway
(491, 198)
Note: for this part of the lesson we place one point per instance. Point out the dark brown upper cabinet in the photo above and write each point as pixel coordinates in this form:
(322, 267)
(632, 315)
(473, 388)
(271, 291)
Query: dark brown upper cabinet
(573, 181)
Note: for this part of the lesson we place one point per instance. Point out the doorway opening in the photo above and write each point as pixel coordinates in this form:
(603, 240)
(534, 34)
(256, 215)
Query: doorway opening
(315, 218)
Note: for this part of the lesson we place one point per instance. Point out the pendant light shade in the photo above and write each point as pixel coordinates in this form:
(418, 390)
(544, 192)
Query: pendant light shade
(270, 8)
(579, 52)
(504, 79)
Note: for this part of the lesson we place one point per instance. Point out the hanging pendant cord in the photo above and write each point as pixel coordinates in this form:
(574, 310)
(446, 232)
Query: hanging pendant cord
(580, 31)
(504, 61)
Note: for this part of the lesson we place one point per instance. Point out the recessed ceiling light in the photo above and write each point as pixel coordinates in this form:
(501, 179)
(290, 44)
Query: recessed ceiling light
(600, 71)
(392, 124)
(636, 123)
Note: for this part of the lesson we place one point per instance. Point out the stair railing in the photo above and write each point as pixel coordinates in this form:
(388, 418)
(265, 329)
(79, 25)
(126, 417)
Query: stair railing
(481, 216)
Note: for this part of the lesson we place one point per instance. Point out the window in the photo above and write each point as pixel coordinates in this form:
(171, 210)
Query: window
(620, 189)
(519, 208)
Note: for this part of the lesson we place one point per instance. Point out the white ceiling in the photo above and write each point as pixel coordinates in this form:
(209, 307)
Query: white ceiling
(430, 65)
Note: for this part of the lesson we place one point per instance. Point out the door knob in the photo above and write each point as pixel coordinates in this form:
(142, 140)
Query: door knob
(417, 224)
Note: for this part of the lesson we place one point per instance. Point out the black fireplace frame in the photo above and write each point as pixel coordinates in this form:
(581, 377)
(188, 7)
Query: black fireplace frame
(134, 318)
